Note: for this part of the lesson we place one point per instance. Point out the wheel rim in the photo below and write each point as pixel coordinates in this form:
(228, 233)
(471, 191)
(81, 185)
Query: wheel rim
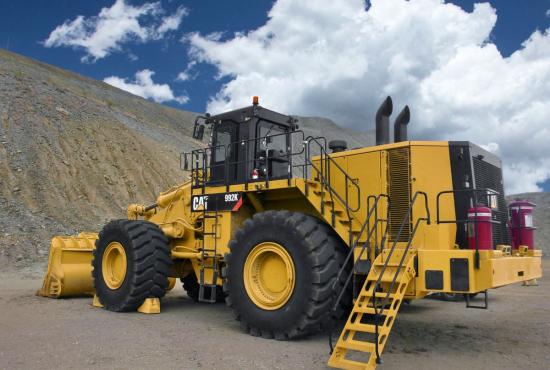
(269, 275)
(114, 265)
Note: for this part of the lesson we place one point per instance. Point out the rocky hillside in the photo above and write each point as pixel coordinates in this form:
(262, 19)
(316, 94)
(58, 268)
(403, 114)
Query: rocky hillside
(74, 152)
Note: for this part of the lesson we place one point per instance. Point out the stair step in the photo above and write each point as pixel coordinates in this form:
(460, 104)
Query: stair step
(388, 276)
(357, 346)
(313, 183)
(379, 295)
(371, 310)
(365, 328)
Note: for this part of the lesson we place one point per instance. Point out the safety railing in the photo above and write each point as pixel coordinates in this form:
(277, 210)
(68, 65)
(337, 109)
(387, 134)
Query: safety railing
(372, 211)
(309, 158)
(474, 200)
(339, 291)
(378, 308)
(203, 166)
(324, 170)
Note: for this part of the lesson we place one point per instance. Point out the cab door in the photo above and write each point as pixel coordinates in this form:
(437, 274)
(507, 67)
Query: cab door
(224, 156)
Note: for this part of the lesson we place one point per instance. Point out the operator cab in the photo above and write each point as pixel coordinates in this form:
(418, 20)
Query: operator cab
(248, 144)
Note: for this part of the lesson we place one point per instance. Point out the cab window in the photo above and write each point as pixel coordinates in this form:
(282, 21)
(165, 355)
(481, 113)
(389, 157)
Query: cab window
(222, 138)
(270, 137)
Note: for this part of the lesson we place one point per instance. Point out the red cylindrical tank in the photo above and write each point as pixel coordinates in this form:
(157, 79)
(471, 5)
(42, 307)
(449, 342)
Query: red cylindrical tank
(479, 223)
(521, 223)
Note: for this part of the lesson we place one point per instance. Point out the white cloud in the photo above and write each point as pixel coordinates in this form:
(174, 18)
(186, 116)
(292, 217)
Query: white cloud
(187, 74)
(172, 22)
(121, 23)
(335, 59)
(144, 86)
(548, 13)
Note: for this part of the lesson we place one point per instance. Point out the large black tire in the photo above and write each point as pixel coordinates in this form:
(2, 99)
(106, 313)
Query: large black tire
(148, 262)
(191, 287)
(317, 254)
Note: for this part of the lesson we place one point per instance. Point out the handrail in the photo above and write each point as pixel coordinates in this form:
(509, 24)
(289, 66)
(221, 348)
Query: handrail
(406, 220)
(488, 193)
(196, 153)
(401, 228)
(325, 163)
(386, 220)
(366, 245)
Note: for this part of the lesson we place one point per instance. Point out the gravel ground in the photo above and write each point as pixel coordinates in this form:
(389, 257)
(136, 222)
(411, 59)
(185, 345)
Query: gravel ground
(45, 333)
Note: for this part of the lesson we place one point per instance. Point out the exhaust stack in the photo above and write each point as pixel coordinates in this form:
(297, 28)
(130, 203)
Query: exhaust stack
(400, 125)
(383, 122)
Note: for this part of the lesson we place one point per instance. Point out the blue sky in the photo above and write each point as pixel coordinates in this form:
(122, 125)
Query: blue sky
(23, 32)
(25, 25)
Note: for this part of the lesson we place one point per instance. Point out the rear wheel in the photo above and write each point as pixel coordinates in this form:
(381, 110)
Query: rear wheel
(280, 272)
(130, 263)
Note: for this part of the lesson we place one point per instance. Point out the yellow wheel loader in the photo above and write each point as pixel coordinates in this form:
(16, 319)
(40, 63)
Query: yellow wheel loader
(295, 233)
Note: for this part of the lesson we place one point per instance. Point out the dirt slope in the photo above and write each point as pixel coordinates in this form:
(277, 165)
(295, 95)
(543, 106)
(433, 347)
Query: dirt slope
(74, 152)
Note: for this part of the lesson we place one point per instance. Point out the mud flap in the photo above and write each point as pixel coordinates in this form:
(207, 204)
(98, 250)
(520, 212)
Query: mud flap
(69, 271)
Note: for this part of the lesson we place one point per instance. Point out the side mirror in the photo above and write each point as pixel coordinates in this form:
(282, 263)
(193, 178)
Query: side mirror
(184, 161)
(198, 130)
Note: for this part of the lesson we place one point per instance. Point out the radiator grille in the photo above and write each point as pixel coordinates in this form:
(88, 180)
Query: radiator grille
(488, 176)
(399, 191)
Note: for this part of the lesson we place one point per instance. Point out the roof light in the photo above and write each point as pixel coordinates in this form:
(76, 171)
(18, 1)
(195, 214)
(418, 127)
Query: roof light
(255, 100)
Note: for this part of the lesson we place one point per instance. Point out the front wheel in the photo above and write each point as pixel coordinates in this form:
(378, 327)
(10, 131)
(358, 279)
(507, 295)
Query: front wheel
(130, 263)
(280, 273)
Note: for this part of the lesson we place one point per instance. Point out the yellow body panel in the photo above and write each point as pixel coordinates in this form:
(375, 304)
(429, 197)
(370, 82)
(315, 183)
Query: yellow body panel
(495, 269)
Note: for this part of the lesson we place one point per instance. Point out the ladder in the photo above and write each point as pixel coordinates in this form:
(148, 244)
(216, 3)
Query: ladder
(209, 258)
(373, 315)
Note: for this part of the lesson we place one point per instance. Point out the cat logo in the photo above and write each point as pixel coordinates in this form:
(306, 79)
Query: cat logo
(200, 202)
(222, 202)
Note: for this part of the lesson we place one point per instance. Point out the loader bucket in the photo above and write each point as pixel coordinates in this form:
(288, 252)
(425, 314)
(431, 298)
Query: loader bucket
(69, 270)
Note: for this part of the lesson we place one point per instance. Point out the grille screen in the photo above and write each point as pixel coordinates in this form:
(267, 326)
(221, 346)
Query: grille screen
(399, 192)
(488, 176)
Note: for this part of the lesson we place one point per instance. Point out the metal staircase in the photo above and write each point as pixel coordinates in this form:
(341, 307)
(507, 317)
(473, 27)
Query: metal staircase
(373, 315)
(337, 209)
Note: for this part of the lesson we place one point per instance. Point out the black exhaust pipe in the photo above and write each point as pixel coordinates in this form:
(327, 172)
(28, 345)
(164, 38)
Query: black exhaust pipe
(383, 122)
(400, 125)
